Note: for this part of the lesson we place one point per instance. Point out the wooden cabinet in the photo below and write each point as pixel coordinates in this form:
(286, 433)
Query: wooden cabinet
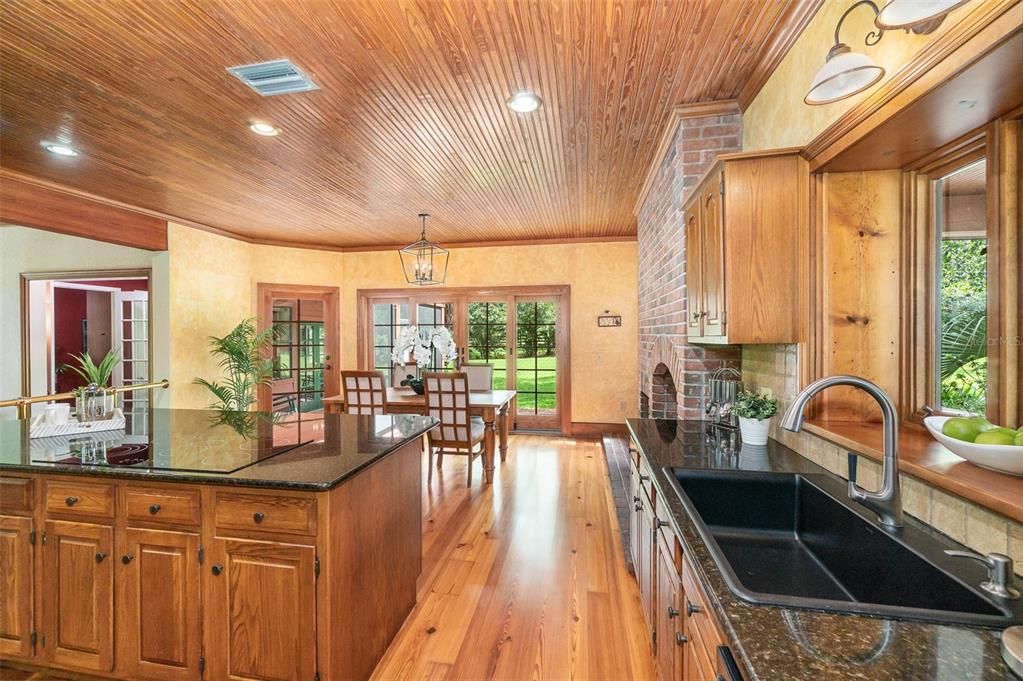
(635, 511)
(668, 618)
(16, 592)
(645, 559)
(745, 229)
(247, 577)
(78, 594)
(159, 631)
(702, 630)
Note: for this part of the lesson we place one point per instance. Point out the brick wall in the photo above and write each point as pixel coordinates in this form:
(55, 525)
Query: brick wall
(662, 274)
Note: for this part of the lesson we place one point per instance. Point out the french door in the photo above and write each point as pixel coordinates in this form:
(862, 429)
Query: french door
(520, 332)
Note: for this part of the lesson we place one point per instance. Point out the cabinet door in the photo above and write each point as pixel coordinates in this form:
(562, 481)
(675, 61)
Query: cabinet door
(694, 270)
(261, 618)
(713, 244)
(158, 589)
(668, 616)
(15, 587)
(644, 562)
(78, 595)
(634, 516)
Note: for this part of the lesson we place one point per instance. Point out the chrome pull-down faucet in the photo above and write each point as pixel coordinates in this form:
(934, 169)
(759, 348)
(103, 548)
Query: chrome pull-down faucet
(887, 501)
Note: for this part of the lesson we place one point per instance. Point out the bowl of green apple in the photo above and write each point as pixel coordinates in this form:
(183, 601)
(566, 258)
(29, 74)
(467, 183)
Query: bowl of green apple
(980, 442)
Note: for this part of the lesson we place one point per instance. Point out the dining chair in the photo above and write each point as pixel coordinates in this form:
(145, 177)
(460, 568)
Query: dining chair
(365, 392)
(481, 376)
(447, 400)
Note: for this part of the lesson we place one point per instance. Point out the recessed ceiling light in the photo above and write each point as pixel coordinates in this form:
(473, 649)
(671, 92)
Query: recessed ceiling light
(264, 129)
(59, 149)
(524, 102)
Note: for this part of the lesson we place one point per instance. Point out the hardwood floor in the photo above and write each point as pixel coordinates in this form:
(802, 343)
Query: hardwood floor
(524, 579)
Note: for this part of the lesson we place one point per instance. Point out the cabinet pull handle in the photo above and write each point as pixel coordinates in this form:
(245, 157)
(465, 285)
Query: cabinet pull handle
(672, 612)
(217, 569)
(696, 315)
(154, 509)
(680, 638)
(71, 501)
(662, 523)
(638, 507)
(100, 557)
(127, 558)
(258, 516)
(643, 478)
(690, 608)
(635, 500)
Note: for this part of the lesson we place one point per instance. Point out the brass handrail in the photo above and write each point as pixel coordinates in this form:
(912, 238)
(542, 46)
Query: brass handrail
(24, 403)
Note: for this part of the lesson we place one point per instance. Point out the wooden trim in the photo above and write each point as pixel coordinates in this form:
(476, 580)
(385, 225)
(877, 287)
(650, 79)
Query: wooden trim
(596, 430)
(26, 332)
(33, 205)
(331, 295)
(990, 23)
(718, 107)
(498, 244)
(786, 30)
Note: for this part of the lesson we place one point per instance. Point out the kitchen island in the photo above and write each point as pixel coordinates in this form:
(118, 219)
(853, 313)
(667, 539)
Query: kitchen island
(193, 546)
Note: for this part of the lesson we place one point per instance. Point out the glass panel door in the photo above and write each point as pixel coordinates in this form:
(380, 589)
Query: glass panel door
(536, 363)
(434, 315)
(134, 348)
(390, 318)
(488, 339)
(300, 354)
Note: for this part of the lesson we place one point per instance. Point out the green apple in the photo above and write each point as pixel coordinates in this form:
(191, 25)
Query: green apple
(983, 424)
(996, 437)
(965, 429)
(1018, 441)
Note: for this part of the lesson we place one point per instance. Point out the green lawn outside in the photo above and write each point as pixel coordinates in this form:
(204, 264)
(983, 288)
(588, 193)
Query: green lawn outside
(543, 380)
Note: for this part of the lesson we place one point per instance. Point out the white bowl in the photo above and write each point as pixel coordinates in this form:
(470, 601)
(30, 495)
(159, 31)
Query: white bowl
(1001, 458)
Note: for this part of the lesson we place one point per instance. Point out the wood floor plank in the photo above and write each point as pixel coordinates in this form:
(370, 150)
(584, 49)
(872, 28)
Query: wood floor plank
(524, 579)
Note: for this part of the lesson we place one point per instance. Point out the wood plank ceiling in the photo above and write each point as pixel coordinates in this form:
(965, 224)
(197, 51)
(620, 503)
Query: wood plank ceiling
(410, 114)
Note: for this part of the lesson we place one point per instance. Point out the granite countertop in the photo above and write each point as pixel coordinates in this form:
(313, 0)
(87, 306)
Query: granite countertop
(772, 642)
(186, 445)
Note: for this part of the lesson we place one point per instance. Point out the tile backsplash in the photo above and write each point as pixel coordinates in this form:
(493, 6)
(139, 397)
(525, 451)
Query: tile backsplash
(774, 367)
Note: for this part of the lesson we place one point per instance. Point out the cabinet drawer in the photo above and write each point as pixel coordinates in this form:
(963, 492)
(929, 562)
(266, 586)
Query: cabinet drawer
(172, 507)
(699, 618)
(645, 479)
(79, 498)
(294, 515)
(16, 495)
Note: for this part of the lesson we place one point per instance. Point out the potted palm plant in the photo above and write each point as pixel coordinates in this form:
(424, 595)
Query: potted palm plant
(94, 401)
(244, 356)
(754, 411)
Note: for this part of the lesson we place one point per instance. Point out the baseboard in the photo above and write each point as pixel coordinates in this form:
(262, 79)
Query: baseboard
(596, 430)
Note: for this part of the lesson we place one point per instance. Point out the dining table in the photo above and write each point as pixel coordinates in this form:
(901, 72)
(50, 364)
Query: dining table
(493, 406)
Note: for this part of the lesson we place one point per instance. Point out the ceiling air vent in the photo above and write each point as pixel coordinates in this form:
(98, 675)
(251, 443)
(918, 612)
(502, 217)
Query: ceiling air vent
(279, 77)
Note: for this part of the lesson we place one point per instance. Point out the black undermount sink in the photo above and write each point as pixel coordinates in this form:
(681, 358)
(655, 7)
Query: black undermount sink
(785, 539)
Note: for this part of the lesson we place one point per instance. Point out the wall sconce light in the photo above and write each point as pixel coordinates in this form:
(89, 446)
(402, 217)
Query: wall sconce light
(846, 73)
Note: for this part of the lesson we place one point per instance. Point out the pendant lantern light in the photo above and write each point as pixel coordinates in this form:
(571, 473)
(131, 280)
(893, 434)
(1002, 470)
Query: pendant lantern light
(424, 262)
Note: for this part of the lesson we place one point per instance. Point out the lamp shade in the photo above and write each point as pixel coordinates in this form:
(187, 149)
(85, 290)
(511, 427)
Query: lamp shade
(844, 74)
(908, 13)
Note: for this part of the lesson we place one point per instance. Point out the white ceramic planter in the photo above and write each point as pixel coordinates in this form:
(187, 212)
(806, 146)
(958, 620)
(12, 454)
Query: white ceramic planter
(754, 432)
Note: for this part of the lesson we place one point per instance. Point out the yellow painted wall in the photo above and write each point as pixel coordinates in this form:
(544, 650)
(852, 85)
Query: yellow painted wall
(213, 286)
(603, 276)
(777, 117)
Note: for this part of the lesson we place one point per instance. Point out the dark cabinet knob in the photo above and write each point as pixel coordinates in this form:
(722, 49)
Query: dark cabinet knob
(638, 508)
(662, 523)
(643, 478)
(127, 558)
(258, 516)
(154, 509)
(100, 557)
(690, 608)
(672, 612)
(680, 638)
(217, 569)
(71, 501)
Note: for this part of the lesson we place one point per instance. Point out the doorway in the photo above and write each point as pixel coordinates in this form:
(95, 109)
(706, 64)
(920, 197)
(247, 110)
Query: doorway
(522, 332)
(304, 345)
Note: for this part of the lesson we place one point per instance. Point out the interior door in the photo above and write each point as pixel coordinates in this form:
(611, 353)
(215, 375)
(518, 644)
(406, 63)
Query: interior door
(304, 347)
(487, 337)
(713, 259)
(131, 338)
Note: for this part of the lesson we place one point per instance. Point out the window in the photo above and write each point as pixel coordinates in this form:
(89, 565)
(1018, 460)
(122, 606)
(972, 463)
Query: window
(389, 318)
(961, 297)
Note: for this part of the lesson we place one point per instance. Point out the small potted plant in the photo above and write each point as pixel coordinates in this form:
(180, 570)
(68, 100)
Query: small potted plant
(94, 401)
(754, 411)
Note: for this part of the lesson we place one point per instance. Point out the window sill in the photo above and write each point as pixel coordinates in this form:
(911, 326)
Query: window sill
(924, 458)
